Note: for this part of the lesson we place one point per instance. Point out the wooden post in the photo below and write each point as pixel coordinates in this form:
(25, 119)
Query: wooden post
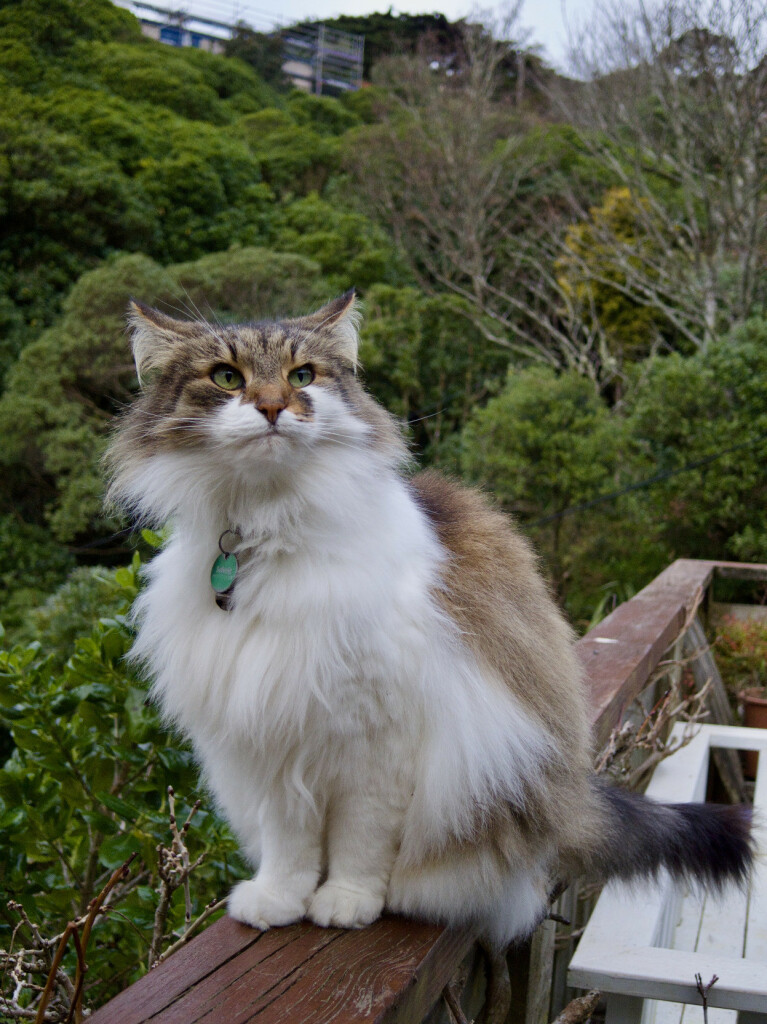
(540, 974)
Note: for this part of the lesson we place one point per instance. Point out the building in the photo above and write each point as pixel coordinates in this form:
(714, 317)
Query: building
(317, 58)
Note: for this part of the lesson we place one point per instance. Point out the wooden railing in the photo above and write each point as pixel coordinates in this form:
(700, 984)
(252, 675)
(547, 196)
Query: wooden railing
(395, 970)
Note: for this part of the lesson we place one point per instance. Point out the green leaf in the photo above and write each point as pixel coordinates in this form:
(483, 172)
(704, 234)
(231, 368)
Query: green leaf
(117, 849)
(126, 810)
(154, 540)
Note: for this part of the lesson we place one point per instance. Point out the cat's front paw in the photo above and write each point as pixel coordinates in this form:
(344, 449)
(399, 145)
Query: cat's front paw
(343, 906)
(261, 906)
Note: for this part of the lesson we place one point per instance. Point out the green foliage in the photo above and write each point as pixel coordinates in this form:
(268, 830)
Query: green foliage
(52, 27)
(681, 466)
(350, 249)
(32, 565)
(322, 113)
(294, 159)
(546, 442)
(88, 594)
(85, 786)
(547, 445)
(153, 75)
(593, 273)
(263, 52)
(109, 141)
(706, 415)
(190, 82)
(426, 362)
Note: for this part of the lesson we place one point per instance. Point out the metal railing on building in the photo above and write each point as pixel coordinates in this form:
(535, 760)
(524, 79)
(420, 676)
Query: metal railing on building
(317, 58)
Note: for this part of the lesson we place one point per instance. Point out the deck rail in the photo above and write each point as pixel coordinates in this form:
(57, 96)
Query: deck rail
(395, 970)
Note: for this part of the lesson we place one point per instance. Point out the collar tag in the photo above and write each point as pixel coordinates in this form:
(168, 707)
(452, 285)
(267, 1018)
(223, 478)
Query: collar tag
(223, 575)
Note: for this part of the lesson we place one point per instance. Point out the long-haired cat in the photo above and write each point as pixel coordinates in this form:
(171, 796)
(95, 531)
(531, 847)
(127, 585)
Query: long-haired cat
(386, 701)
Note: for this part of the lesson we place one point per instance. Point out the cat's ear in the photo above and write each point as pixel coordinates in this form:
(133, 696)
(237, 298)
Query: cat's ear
(153, 335)
(338, 322)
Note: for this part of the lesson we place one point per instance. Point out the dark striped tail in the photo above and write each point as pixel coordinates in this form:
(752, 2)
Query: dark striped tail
(708, 843)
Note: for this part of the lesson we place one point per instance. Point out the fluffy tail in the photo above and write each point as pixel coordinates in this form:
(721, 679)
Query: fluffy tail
(708, 843)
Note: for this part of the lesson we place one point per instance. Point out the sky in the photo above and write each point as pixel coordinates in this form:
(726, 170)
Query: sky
(546, 20)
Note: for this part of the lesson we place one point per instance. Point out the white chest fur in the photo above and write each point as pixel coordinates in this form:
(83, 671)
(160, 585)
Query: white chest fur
(326, 623)
(335, 641)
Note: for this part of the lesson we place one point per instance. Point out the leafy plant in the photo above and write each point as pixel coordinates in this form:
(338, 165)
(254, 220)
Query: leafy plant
(86, 787)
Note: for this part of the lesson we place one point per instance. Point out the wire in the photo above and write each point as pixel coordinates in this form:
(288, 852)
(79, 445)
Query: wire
(648, 482)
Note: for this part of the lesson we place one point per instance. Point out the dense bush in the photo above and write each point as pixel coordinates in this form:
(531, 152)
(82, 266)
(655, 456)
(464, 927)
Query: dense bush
(544, 445)
(86, 785)
(428, 363)
(107, 142)
(702, 420)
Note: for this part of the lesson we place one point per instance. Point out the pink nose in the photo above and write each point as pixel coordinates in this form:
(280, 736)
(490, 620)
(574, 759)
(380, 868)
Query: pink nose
(271, 408)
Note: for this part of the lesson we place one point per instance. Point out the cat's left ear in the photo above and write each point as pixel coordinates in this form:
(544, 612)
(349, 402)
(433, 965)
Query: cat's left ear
(154, 337)
(338, 323)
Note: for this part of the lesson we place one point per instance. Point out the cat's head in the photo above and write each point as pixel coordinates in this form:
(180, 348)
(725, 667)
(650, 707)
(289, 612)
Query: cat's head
(244, 404)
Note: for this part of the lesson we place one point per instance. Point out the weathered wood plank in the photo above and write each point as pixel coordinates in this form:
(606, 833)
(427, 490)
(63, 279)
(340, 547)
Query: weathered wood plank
(392, 971)
(741, 571)
(260, 974)
(741, 984)
(211, 950)
(621, 653)
(541, 974)
(756, 929)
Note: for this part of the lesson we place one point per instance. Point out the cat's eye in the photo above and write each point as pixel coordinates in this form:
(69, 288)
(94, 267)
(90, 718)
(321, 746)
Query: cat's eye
(301, 376)
(227, 377)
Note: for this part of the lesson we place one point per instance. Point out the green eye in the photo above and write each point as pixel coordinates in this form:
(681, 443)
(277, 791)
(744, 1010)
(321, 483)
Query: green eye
(301, 376)
(227, 377)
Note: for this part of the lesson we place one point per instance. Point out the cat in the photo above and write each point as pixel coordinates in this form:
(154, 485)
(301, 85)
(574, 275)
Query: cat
(386, 703)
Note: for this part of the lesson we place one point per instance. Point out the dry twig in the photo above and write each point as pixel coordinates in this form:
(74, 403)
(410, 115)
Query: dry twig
(649, 734)
(174, 868)
(704, 991)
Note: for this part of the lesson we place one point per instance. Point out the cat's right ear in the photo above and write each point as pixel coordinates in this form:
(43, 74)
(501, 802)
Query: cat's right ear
(153, 337)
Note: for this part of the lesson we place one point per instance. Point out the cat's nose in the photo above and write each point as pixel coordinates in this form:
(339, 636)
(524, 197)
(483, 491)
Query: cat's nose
(271, 407)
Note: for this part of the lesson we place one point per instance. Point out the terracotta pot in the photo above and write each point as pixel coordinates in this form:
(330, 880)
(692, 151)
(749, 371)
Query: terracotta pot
(755, 717)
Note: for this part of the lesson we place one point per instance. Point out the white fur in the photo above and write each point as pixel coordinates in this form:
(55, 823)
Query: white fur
(346, 732)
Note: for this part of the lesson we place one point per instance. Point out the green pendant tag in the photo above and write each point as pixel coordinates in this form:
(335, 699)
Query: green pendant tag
(223, 573)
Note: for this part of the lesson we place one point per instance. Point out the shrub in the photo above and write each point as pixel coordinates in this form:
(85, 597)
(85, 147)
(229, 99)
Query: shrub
(86, 786)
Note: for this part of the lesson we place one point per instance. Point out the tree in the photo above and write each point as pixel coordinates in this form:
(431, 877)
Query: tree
(473, 193)
(426, 362)
(262, 51)
(597, 283)
(546, 443)
(674, 106)
(351, 249)
(700, 422)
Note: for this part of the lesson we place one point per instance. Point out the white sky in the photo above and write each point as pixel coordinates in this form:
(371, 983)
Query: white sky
(547, 20)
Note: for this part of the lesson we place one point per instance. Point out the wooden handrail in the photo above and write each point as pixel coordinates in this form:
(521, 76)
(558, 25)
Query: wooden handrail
(394, 970)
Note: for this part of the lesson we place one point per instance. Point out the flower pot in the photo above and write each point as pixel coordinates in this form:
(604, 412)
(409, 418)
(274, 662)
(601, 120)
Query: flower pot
(755, 717)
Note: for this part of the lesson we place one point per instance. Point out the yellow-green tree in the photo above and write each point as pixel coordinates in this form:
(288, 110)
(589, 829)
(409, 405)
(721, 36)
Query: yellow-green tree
(603, 258)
